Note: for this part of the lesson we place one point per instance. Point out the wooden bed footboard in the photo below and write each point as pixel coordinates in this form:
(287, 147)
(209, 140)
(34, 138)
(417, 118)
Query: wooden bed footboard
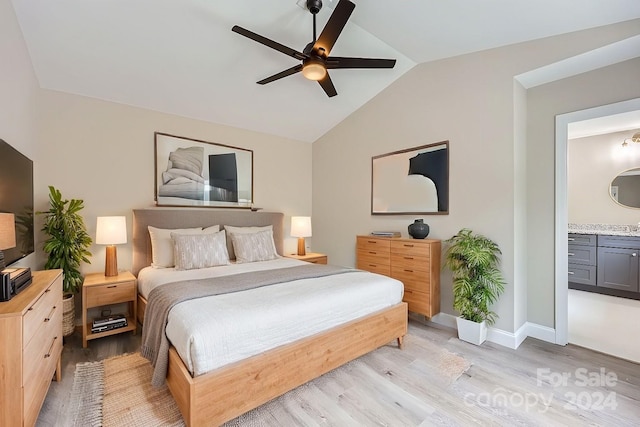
(230, 391)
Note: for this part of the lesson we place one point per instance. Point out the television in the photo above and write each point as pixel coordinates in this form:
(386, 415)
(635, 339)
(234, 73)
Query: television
(16, 197)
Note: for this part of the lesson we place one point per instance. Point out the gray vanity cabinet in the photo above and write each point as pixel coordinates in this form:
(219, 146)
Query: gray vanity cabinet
(605, 264)
(618, 262)
(582, 259)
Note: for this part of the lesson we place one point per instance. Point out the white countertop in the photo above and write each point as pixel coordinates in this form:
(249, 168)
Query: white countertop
(608, 229)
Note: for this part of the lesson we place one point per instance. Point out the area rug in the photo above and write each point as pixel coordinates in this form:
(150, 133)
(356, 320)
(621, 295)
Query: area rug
(117, 392)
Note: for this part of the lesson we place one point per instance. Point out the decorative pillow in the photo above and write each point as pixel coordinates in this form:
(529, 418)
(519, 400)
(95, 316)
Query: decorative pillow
(245, 230)
(162, 245)
(189, 158)
(252, 247)
(200, 250)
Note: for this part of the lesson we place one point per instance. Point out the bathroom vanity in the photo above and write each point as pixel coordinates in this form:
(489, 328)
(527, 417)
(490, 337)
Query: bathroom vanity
(604, 259)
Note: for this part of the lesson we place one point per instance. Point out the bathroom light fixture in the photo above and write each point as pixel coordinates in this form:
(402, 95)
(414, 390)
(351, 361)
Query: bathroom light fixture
(634, 138)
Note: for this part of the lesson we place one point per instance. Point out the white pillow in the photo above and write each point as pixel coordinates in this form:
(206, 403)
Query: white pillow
(246, 230)
(162, 245)
(200, 250)
(252, 247)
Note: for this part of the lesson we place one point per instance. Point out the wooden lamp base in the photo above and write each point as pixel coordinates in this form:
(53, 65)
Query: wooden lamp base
(111, 262)
(301, 250)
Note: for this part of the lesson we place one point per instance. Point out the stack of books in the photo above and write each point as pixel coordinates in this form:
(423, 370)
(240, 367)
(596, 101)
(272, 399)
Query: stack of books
(386, 233)
(108, 323)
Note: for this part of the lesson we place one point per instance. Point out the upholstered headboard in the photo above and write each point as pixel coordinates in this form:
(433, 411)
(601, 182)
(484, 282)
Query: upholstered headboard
(195, 217)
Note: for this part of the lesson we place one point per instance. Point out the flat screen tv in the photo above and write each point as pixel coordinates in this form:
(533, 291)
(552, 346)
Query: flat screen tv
(16, 197)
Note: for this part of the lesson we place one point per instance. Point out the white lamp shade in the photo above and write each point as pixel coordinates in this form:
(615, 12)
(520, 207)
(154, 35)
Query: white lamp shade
(7, 231)
(111, 230)
(301, 226)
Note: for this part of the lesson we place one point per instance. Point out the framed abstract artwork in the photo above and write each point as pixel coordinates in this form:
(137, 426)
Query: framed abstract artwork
(191, 172)
(411, 181)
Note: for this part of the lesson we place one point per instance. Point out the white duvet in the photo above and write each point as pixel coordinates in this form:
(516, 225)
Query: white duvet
(214, 331)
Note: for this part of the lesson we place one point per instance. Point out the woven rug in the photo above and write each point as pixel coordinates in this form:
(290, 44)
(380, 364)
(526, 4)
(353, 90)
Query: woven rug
(118, 392)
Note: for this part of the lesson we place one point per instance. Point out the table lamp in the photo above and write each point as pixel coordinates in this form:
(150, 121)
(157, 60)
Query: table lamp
(111, 231)
(301, 228)
(7, 235)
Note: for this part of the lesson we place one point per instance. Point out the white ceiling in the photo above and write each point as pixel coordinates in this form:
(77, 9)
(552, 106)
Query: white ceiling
(180, 57)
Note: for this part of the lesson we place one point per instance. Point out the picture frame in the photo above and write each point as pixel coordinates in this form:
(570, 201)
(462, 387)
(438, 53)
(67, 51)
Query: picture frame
(197, 173)
(411, 181)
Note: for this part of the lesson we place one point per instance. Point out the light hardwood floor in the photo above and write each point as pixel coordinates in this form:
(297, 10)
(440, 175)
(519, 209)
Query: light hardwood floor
(537, 384)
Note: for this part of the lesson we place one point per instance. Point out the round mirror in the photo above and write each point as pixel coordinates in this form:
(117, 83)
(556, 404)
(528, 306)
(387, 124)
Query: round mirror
(625, 188)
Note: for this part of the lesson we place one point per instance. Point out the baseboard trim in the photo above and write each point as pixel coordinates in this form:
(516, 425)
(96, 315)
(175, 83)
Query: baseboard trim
(510, 340)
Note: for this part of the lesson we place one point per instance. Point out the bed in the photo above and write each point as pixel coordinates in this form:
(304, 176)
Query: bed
(216, 393)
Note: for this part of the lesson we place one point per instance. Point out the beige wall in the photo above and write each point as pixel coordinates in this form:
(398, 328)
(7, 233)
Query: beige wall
(18, 91)
(593, 162)
(468, 100)
(103, 153)
(604, 86)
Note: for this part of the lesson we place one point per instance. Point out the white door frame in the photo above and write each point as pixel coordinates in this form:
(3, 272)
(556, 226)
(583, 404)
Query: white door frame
(561, 217)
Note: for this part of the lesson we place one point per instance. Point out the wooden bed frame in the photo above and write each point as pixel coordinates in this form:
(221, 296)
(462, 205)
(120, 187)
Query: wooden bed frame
(228, 392)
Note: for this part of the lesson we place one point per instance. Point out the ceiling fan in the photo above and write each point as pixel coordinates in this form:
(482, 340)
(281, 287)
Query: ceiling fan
(315, 56)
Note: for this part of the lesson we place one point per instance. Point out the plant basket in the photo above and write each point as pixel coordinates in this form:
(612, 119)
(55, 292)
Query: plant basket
(68, 314)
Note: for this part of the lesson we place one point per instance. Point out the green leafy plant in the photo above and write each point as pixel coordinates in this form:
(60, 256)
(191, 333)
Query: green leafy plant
(68, 242)
(477, 282)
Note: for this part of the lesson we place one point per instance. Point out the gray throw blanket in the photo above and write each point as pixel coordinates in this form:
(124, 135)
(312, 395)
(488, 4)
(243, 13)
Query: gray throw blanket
(155, 345)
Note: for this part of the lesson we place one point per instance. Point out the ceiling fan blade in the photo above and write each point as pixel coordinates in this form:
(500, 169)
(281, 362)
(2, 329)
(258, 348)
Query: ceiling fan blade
(281, 74)
(335, 24)
(335, 62)
(269, 43)
(328, 86)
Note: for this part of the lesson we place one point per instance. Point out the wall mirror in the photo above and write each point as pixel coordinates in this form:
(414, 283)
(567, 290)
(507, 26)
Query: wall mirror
(625, 188)
(191, 172)
(411, 181)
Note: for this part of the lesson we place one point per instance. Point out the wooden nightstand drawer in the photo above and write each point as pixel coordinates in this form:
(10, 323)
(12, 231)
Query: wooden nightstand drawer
(111, 293)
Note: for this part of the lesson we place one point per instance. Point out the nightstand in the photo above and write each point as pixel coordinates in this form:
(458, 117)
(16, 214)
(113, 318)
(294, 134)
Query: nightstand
(310, 257)
(100, 291)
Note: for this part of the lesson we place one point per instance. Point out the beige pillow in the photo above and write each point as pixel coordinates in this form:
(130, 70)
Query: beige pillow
(245, 230)
(252, 247)
(200, 250)
(162, 244)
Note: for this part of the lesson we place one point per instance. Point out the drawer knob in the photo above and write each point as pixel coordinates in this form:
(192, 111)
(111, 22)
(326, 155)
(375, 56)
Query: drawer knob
(571, 254)
(571, 272)
(571, 239)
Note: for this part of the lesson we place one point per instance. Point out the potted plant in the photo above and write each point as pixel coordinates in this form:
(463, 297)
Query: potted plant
(477, 282)
(66, 247)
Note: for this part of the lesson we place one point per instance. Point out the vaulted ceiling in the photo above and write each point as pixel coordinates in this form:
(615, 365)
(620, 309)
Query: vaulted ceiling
(181, 57)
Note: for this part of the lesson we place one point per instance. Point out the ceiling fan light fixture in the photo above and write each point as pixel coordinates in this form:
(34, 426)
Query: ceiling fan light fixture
(314, 70)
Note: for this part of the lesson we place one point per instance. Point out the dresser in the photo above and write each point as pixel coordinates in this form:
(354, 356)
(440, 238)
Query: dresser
(415, 262)
(30, 348)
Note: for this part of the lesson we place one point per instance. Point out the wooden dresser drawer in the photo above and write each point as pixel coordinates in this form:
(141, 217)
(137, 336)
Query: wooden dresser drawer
(375, 257)
(411, 262)
(372, 244)
(40, 310)
(419, 302)
(412, 279)
(418, 248)
(111, 293)
(374, 267)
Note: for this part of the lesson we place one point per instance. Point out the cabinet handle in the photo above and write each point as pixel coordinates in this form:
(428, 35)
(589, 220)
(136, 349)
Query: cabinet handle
(408, 257)
(51, 348)
(571, 272)
(112, 286)
(407, 245)
(372, 242)
(407, 291)
(571, 239)
(372, 265)
(571, 254)
(48, 290)
(53, 310)
(408, 271)
(373, 253)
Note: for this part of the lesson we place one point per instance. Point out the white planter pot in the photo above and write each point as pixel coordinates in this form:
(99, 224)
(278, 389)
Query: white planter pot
(475, 333)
